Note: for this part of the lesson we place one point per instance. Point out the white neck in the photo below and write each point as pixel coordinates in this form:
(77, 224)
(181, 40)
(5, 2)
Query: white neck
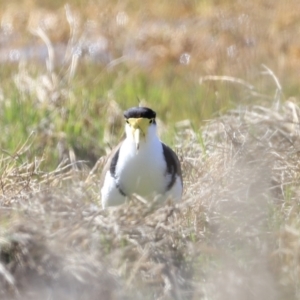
(142, 169)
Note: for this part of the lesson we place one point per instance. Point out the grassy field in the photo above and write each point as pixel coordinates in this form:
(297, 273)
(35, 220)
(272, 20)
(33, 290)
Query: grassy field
(223, 77)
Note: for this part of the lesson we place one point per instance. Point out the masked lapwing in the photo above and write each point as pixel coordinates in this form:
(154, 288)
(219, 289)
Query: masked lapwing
(141, 164)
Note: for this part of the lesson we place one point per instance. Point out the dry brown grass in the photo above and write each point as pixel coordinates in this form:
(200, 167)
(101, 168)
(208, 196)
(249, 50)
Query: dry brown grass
(234, 235)
(217, 37)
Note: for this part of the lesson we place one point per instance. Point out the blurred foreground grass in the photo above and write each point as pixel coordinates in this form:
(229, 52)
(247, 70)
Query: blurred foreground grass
(68, 72)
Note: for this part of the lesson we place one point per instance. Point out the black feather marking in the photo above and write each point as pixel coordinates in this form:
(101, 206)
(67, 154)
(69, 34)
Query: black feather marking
(113, 164)
(173, 166)
(140, 112)
(112, 170)
(120, 190)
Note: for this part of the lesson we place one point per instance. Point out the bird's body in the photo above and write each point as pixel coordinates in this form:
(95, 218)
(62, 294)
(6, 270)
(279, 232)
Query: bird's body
(141, 164)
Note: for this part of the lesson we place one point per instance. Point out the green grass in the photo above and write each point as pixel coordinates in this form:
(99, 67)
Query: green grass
(79, 113)
(237, 228)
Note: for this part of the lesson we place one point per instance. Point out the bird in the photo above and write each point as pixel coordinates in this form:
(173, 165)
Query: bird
(141, 164)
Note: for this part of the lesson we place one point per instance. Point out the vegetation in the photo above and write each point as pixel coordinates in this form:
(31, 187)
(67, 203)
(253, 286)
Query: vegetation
(224, 81)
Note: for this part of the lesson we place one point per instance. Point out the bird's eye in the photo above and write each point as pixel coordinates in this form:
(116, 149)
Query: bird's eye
(127, 121)
(151, 121)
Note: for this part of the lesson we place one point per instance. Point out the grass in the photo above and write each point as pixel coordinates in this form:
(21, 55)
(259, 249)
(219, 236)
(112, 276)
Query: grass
(223, 79)
(79, 114)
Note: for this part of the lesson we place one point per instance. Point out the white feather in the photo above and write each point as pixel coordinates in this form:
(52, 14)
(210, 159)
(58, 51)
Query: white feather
(140, 171)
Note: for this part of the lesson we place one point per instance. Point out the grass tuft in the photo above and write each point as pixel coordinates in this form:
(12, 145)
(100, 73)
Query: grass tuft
(225, 101)
(235, 230)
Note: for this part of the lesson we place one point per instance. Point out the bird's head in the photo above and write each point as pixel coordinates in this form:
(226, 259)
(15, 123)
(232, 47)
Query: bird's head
(138, 122)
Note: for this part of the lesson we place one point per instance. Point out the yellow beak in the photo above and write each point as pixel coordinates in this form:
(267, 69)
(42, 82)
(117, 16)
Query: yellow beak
(139, 128)
(137, 133)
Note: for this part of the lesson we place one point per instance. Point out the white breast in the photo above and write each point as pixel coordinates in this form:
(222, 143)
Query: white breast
(143, 171)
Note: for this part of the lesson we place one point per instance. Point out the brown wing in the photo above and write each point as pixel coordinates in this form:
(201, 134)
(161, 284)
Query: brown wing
(173, 165)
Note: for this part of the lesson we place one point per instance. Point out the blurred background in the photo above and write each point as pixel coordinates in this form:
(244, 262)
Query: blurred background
(68, 70)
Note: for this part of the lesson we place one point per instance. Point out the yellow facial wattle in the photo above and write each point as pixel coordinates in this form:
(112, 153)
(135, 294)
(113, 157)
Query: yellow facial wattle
(139, 127)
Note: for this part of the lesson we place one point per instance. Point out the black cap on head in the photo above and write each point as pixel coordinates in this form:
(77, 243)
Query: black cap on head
(139, 112)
